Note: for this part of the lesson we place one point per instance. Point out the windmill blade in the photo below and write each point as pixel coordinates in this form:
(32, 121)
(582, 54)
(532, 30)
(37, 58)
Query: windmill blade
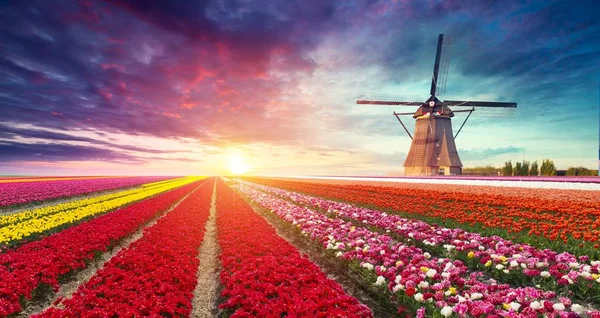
(383, 99)
(479, 104)
(487, 109)
(440, 85)
(436, 65)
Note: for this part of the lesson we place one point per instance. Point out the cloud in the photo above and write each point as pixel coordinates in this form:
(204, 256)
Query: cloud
(16, 151)
(50, 136)
(231, 73)
(487, 153)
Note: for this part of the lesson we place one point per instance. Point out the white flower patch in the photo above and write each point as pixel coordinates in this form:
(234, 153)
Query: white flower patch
(475, 296)
(447, 311)
(380, 281)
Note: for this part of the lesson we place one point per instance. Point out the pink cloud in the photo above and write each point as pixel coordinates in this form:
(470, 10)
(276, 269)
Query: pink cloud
(109, 66)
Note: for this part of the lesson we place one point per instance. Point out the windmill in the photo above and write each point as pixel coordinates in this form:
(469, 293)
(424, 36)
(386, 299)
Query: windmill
(433, 149)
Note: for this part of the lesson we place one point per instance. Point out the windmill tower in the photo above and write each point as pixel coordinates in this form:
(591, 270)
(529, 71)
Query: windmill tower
(433, 148)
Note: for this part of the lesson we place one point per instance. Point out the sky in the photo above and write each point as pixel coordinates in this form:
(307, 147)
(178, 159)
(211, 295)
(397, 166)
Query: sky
(180, 87)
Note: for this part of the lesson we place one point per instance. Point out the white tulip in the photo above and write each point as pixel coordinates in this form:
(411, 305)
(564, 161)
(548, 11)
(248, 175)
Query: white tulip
(431, 272)
(418, 297)
(585, 274)
(578, 309)
(380, 281)
(447, 311)
(475, 296)
(398, 279)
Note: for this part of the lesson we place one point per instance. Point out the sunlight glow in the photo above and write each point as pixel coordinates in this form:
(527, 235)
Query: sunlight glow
(238, 164)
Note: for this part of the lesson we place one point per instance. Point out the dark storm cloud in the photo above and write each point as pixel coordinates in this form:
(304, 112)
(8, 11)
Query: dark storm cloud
(15, 152)
(55, 152)
(12, 132)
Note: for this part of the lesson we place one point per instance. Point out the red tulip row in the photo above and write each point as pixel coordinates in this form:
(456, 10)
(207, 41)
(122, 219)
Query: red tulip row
(154, 276)
(39, 263)
(263, 275)
(25, 192)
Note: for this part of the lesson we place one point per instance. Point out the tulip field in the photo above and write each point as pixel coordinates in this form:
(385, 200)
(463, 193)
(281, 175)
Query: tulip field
(25, 190)
(286, 247)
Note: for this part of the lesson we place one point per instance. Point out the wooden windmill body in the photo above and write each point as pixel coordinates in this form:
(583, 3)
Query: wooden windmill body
(433, 148)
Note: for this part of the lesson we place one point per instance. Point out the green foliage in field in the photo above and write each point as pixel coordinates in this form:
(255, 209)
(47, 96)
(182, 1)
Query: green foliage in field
(481, 170)
(581, 171)
(507, 170)
(548, 168)
(534, 170)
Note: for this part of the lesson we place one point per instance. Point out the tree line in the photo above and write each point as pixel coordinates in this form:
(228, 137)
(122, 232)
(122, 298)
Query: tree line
(527, 168)
(524, 168)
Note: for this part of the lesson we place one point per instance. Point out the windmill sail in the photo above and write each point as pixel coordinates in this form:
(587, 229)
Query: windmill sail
(480, 108)
(383, 99)
(440, 85)
(440, 67)
(452, 103)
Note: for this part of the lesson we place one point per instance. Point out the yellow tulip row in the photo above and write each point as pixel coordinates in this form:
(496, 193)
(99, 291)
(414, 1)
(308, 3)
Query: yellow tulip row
(51, 209)
(161, 182)
(70, 212)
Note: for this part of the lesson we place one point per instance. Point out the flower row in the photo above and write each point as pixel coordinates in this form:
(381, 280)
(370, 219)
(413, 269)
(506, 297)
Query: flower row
(425, 284)
(519, 264)
(561, 222)
(42, 262)
(154, 276)
(44, 189)
(29, 223)
(35, 213)
(264, 276)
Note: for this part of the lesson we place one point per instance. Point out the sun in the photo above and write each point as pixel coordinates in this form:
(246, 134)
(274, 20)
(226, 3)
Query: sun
(238, 165)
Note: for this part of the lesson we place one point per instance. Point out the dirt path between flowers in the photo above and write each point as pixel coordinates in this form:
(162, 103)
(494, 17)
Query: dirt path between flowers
(66, 290)
(334, 268)
(204, 303)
